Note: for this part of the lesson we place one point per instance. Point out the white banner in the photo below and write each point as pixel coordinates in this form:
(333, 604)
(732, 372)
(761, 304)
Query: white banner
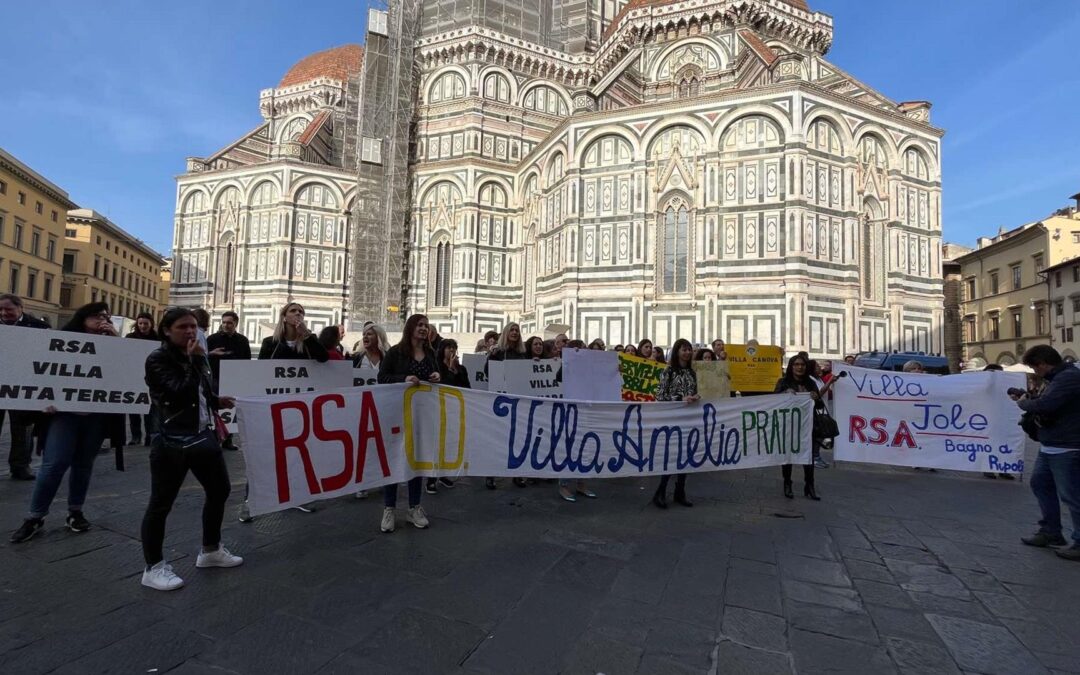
(591, 375)
(474, 365)
(365, 377)
(324, 445)
(73, 372)
(526, 377)
(291, 376)
(961, 422)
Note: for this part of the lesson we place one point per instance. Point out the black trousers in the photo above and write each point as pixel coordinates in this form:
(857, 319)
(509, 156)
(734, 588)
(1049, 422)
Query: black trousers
(807, 473)
(21, 421)
(168, 468)
(680, 483)
(138, 423)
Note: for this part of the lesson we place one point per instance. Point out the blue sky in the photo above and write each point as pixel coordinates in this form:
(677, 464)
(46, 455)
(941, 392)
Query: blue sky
(107, 98)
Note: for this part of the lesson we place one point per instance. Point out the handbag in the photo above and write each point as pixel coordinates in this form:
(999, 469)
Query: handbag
(825, 427)
(207, 439)
(220, 429)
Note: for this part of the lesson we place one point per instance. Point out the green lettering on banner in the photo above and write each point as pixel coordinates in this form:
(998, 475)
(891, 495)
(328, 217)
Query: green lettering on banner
(640, 377)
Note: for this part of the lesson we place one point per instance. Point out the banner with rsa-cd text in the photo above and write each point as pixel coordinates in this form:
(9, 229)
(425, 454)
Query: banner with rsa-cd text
(963, 422)
(321, 445)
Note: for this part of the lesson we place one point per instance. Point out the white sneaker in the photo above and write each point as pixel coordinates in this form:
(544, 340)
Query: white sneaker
(219, 558)
(160, 577)
(387, 524)
(417, 517)
(244, 513)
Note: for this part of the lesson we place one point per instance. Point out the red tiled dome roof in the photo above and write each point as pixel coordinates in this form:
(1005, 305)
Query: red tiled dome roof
(338, 63)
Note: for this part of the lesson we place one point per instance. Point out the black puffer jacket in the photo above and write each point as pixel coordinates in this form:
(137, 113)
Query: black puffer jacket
(174, 380)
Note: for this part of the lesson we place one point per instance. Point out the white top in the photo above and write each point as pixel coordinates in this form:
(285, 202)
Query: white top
(1051, 450)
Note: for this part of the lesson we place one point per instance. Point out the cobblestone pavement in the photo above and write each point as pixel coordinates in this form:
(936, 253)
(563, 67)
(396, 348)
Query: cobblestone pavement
(895, 571)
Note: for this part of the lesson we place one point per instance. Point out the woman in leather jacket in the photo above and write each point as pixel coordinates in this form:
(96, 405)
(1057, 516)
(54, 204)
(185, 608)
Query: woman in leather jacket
(678, 382)
(182, 401)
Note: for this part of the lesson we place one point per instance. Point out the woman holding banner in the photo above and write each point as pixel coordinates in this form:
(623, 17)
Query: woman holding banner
(797, 380)
(292, 339)
(644, 349)
(184, 402)
(678, 382)
(451, 373)
(72, 441)
(411, 361)
(703, 354)
(566, 491)
(510, 347)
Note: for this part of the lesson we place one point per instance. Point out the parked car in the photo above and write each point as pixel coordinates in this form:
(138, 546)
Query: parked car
(936, 365)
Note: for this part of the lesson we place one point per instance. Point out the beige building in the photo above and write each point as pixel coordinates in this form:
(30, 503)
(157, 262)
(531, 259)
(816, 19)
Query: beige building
(1006, 306)
(103, 262)
(31, 233)
(952, 274)
(1063, 282)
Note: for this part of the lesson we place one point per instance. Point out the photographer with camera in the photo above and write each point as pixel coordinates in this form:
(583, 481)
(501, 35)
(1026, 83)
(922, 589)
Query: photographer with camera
(1056, 478)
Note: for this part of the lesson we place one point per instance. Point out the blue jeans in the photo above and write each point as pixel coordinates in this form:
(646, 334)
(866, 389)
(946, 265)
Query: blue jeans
(390, 493)
(1056, 479)
(72, 442)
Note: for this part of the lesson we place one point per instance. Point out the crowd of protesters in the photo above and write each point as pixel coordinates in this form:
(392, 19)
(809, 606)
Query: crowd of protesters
(185, 433)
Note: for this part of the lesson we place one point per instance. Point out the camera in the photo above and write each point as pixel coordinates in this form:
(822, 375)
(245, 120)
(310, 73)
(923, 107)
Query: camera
(1016, 391)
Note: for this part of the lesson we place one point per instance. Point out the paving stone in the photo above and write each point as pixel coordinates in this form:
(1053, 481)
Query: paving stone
(447, 642)
(902, 623)
(919, 658)
(815, 653)
(658, 665)
(1043, 637)
(756, 629)
(927, 579)
(820, 594)
(1058, 663)
(979, 581)
(1004, 605)
(738, 659)
(870, 556)
(938, 604)
(890, 595)
(814, 570)
(680, 642)
(755, 566)
(576, 568)
(753, 591)
(515, 644)
(753, 547)
(850, 537)
(597, 653)
(160, 648)
(984, 648)
(857, 569)
(906, 553)
(889, 535)
(831, 621)
(279, 643)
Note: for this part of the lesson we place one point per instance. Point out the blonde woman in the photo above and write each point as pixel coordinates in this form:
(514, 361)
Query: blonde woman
(510, 347)
(375, 347)
(292, 339)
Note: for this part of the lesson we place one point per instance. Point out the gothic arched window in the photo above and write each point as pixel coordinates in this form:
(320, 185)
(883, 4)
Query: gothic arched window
(675, 265)
(441, 273)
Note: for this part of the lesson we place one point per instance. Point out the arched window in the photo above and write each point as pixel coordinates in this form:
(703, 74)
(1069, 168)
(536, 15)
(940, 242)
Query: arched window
(823, 136)
(441, 273)
(872, 152)
(688, 82)
(447, 87)
(546, 100)
(676, 263)
(497, 88)
(293, 129)
(915, 164)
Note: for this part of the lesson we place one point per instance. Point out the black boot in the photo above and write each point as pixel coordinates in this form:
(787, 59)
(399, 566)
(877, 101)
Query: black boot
(680, 498)
(810, 492)
(788, 491)
(658, 499)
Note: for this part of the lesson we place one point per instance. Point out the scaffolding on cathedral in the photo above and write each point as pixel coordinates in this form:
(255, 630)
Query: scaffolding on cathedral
(383, 207)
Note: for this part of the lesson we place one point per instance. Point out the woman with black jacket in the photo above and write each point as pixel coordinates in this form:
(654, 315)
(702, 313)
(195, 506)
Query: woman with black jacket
(182, 401)
(292, 339)
(451, 373)
(143, 330)
(71, 441)
(797, 380)
(678, 382)
(411, 361)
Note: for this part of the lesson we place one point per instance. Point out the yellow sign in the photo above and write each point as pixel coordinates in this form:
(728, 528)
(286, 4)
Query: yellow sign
(713, 380)
(640, 377)
(754, 368)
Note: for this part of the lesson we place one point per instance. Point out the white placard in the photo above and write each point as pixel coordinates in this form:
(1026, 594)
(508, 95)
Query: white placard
(365, 377)
(960, 422)
(328, 444)
(526, 377)
(475, 364)
(591, 375)
(72, 372)
(293, 376)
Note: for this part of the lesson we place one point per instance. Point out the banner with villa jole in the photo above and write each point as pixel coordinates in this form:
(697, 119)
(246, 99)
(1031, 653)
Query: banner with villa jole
(304, 447)
(963, 422)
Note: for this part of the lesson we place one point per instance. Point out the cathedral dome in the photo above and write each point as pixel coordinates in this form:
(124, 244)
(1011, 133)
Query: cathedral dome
(338, 63)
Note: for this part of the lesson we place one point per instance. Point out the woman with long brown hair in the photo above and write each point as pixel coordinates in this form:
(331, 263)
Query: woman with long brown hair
(797, 380)
(678, 382)
(410, 361)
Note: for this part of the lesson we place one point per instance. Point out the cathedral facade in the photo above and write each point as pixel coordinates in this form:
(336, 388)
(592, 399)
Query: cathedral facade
(682, 168)
(266, 220)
